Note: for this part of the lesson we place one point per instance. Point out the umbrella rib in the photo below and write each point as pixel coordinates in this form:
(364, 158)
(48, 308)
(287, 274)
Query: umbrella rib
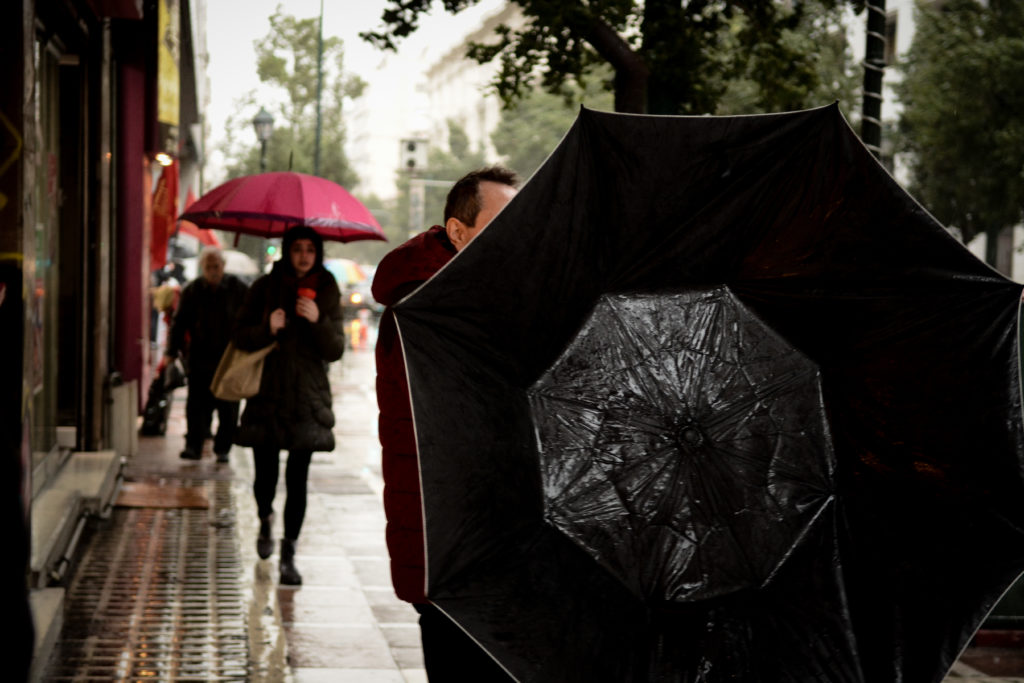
(805, 529)
(640, 342)
(321, 221)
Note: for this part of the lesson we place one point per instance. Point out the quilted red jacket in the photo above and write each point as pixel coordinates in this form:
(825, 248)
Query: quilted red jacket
(399, 273)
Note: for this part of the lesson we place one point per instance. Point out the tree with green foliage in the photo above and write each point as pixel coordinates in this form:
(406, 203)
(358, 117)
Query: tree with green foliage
(764, 82)
(287, 59)
(962, 126)
(667, 56)
(531, 128)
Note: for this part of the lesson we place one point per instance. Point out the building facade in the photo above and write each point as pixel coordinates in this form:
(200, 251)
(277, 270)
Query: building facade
(97, 94)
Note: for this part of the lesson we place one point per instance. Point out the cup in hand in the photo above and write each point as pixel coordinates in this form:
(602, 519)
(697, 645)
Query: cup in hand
(307, 293)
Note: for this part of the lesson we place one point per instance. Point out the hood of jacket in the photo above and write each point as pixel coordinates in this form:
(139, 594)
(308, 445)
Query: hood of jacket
(299, 232)
(409, 265)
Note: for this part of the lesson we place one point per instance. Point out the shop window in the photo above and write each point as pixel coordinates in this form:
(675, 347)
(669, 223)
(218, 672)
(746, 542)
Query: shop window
(41, 360)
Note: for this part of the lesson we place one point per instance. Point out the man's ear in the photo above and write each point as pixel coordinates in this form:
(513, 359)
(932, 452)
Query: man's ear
(456, 231)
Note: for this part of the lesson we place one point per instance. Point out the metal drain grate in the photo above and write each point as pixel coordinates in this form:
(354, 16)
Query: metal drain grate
(157, 597)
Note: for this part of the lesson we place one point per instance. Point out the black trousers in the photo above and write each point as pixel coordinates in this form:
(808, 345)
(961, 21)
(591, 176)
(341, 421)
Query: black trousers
(296, 472)
(450, 655)
(199, 409)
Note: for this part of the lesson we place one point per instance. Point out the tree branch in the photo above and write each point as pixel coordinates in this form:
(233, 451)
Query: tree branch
(631, 71)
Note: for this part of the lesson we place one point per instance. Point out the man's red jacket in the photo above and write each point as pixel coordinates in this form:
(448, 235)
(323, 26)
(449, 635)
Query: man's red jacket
(399, 273)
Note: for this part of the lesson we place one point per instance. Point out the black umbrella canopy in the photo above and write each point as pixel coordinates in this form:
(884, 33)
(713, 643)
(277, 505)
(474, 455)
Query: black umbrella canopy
(682, 444)
(714, 399)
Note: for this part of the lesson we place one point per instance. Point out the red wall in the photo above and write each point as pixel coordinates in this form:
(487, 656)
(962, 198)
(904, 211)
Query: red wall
(131, 295)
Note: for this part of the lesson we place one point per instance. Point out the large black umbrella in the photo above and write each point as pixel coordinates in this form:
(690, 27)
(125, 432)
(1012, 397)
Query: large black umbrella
(713, 399)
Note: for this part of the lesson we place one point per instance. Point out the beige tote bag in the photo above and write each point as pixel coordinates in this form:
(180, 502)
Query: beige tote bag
(239, 372)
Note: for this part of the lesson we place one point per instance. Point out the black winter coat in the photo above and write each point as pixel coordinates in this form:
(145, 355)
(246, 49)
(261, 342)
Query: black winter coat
(293, 407)
(205, 314)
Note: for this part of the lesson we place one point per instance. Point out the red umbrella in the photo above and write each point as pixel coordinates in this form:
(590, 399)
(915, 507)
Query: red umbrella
(267, 204)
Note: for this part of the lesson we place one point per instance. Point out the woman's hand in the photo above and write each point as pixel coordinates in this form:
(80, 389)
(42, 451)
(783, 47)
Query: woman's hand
(307, 308)
(277, 320)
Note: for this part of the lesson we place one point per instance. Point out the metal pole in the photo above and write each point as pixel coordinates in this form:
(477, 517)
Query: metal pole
(319, 84)
(417, 204)
(874, 70)
(202, 154)
(263, 156)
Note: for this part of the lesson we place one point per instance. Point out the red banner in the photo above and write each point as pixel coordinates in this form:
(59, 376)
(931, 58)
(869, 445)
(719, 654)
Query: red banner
(165, 215)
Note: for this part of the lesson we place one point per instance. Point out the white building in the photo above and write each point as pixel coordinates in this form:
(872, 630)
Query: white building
(376, 123)
(413, 93)
(458, 88)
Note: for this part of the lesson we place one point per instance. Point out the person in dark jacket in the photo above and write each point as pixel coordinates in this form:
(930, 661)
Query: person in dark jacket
(448, 653)
(298, 305)
(201, 330)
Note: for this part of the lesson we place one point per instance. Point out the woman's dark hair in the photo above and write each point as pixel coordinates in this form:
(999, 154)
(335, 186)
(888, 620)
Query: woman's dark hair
(464, 198)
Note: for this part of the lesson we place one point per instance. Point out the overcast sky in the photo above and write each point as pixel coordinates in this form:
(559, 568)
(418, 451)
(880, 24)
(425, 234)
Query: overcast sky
(233, 25)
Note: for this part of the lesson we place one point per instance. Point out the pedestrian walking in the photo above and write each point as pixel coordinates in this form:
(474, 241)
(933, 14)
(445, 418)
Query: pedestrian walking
(200, 332)
(298, 305)
(449, 654)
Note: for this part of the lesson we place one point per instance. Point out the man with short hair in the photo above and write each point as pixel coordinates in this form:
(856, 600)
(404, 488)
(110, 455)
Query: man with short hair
(449, 654)
(201, 331)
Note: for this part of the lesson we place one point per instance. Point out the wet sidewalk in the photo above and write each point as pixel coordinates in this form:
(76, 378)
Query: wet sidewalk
(171, 589)
(344, 623)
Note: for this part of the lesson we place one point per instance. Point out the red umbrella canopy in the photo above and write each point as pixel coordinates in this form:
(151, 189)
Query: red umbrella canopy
(267, 204)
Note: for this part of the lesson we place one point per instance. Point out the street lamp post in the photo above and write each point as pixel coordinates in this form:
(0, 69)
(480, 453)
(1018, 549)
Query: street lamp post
(263, 123)
(874, 71)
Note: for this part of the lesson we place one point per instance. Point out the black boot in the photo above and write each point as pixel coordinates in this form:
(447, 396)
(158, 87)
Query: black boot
(265, 541)
(289, 574)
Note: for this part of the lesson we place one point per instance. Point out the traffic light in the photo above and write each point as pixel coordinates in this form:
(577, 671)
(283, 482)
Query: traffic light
(413, 154)
(272, 248)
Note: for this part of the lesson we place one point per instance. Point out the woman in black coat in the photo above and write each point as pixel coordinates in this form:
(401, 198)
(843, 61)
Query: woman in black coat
(298, 305)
